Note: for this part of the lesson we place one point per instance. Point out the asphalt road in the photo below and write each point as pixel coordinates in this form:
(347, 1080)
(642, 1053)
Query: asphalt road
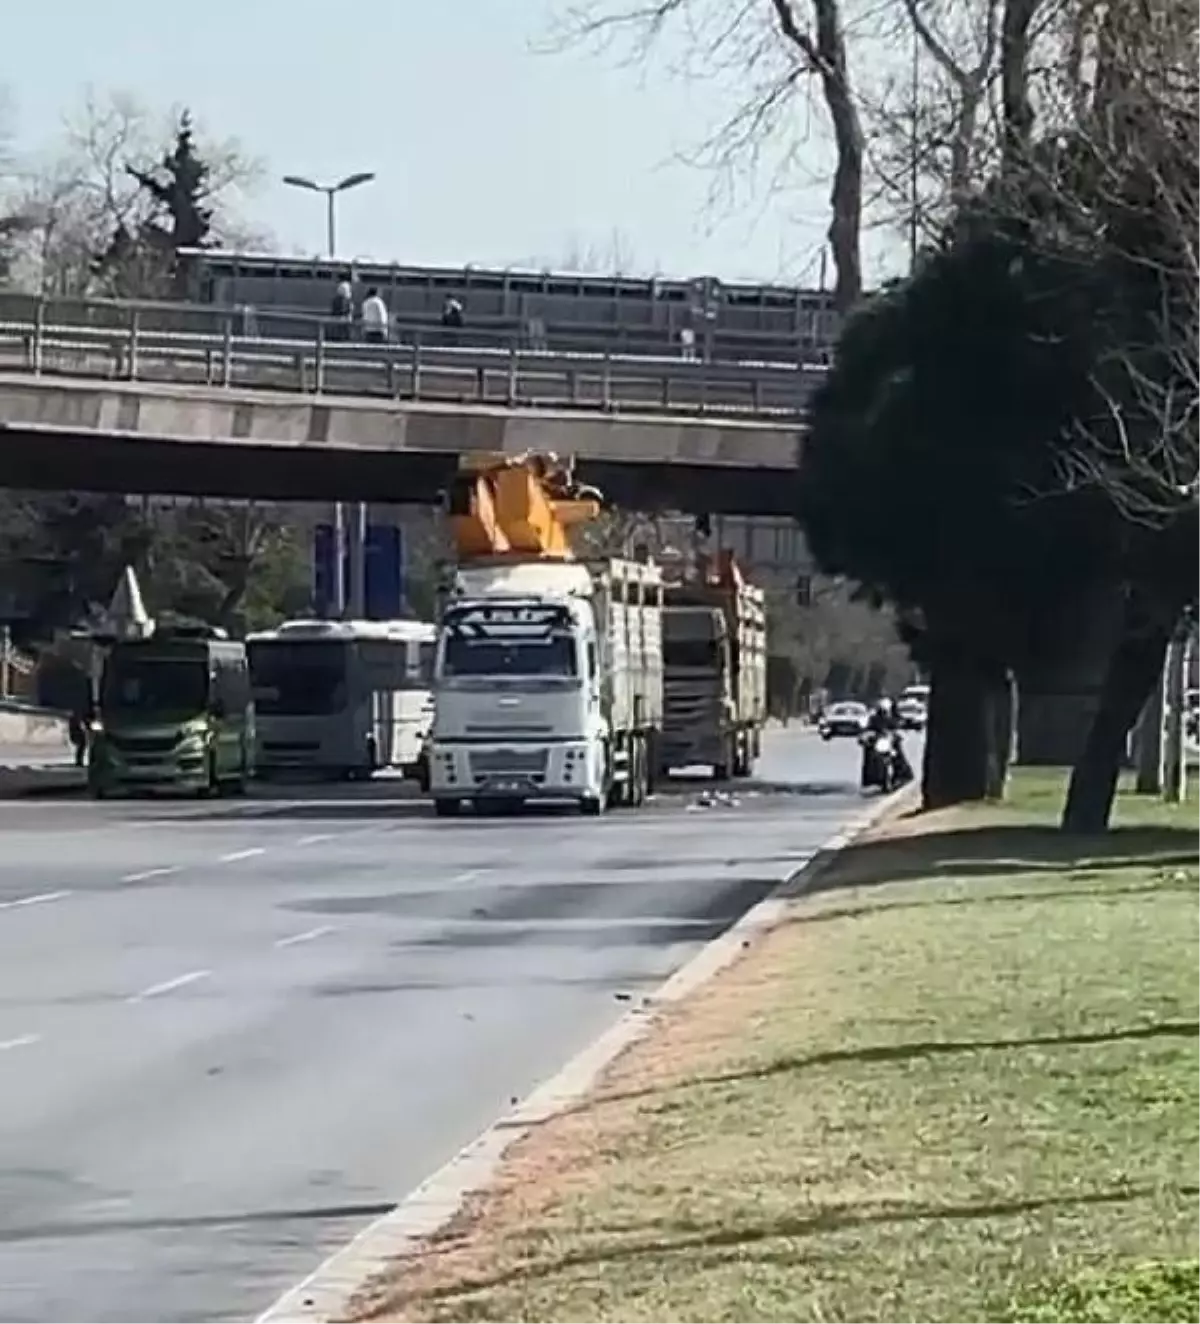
(233, 1032)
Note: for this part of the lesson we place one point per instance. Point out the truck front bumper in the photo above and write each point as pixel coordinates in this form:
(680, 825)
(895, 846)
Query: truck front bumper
(566, 770)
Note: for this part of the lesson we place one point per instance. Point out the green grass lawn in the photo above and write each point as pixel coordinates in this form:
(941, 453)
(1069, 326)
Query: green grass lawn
(958, 1083)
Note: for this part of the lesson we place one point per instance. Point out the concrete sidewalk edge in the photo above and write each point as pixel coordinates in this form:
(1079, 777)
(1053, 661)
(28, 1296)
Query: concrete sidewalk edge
(327, 1293)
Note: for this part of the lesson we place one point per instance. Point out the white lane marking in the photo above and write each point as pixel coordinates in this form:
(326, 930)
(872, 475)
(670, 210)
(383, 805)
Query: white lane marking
(467, 875)
(146, 874)
(309, 935)
(242, 854)
(40, 899)
(170, 985)
(23, 1041)
(315, 839)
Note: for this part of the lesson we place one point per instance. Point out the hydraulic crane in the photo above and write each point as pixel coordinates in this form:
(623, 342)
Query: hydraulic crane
(521, 506)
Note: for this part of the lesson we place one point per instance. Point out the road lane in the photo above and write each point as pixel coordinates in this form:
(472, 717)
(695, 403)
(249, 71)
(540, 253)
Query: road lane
(219, 1072)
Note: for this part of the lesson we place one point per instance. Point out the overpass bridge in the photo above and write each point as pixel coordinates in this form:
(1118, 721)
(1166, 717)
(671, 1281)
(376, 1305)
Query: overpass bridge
(160, 399)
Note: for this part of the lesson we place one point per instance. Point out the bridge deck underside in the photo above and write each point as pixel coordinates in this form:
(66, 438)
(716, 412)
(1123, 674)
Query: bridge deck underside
(51, 460)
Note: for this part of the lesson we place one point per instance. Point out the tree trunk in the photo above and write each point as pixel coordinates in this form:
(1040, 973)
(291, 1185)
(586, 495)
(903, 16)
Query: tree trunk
(959, 763)
(1001, 718)
(825, 51)
(1016, 107)
(845, 196)
(1133, 670)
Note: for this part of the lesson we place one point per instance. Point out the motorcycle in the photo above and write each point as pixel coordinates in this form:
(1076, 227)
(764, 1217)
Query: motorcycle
(883, 766)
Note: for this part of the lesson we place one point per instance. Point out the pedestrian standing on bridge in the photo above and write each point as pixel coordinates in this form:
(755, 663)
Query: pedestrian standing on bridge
(375, 318)
(341, 312)
(452, 319)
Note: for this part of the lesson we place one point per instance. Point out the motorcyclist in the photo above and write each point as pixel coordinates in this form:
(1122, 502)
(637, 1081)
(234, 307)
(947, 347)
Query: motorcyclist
(884, 721)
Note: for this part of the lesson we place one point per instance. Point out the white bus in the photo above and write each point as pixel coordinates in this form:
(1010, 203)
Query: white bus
(342, 698)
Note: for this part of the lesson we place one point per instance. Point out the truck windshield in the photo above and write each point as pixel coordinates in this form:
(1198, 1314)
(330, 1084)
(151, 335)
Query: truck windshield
(509, 639)
(146, 684)
(692, 653)
(550, 655)
(298, 679)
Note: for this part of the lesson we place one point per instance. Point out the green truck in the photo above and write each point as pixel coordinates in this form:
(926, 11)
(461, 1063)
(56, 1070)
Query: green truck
(174, 712)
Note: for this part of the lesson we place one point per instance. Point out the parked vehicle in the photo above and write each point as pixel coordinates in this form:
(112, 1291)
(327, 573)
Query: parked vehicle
(174, 713)
(342, 699)
(843, 719)
(714, 669)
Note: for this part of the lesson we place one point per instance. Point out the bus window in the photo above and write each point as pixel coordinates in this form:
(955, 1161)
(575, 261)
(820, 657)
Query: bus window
(427, 657)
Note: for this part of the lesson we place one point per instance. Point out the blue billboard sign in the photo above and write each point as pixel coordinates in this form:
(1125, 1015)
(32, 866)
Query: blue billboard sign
(383, 571)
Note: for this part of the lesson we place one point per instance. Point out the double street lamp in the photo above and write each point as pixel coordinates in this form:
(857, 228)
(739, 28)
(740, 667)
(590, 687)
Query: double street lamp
(357, 526)
(331, 191)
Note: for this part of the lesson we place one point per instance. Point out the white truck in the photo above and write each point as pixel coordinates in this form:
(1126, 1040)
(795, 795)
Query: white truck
(715, 668)
(548, 684)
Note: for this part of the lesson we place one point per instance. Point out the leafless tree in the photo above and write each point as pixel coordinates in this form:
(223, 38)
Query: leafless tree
(776, 50)
(612, 256)
(78, 191)
(1130, 207)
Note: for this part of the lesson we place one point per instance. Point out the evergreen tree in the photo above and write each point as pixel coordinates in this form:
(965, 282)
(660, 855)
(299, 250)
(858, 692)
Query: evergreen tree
(179, 187)
(143, 262)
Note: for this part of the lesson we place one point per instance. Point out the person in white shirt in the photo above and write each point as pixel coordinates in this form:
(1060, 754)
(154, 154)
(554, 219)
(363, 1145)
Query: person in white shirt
(375, 318)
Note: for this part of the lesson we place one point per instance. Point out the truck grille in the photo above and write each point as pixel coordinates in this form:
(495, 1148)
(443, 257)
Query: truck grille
(508, 762)
(143, 744)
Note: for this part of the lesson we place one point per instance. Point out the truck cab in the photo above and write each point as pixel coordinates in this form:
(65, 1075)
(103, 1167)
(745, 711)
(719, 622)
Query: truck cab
(517, 712)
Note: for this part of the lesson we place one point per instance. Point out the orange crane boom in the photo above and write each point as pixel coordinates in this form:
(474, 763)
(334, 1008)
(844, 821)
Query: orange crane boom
(519, 506)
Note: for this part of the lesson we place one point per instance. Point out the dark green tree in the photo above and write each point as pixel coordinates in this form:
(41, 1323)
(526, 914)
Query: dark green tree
(143, 262)
(180, 189)
(926, 474)
(62, 554)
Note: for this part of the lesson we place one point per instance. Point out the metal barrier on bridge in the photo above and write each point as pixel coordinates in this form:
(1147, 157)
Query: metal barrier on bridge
(199, 345)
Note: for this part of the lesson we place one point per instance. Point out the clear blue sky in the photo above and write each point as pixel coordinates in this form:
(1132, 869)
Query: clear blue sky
(486, 151)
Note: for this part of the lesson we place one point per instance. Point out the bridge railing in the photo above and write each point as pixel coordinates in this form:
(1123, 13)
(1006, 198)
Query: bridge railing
(192, 344)
(289, 323)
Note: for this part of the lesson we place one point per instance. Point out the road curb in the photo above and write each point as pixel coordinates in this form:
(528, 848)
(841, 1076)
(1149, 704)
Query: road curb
(327, 1293)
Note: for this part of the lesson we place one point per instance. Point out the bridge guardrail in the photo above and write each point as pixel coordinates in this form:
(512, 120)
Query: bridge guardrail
(275, 323)
(511, 378)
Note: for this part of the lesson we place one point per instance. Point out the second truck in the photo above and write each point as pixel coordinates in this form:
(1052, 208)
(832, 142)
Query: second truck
(715, 669)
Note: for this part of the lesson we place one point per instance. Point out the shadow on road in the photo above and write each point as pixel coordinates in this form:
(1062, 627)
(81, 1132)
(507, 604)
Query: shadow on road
(567, 914)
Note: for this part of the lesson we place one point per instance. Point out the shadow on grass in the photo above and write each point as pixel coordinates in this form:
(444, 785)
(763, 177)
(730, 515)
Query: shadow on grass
(887, 1053)
(1154, 887)
(1004, 849)
(681, 1236)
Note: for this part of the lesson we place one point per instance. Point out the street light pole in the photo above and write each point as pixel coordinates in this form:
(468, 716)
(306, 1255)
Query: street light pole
(331, 191)
(355, 544)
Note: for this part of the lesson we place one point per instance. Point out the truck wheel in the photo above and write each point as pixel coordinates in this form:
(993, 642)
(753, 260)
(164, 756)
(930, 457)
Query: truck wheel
(591, 806)
(641, 773)
(722, 769)
(636, 794)
(447, 808)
